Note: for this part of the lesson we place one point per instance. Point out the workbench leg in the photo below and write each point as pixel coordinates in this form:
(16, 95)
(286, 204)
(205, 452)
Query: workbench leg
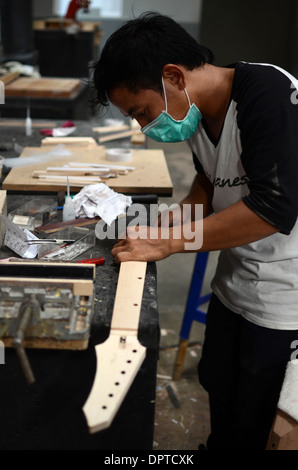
(182, 348)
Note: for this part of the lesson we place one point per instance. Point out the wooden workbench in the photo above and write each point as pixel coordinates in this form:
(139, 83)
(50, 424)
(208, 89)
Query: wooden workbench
(48, 414)
(151, 173)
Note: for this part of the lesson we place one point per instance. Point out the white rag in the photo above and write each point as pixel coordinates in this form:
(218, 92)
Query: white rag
(288, 400)
(100, 200)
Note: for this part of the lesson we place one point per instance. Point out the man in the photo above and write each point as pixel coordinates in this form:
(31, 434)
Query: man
(241, 124)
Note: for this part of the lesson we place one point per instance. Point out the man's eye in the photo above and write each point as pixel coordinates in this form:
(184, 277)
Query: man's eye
(139, 114)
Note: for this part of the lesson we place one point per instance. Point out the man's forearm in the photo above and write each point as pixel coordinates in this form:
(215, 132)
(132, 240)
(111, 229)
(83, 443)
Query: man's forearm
(201, 192)
(235, 226)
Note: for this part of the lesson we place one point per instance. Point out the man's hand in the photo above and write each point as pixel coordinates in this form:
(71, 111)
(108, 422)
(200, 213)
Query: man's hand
(142, 244)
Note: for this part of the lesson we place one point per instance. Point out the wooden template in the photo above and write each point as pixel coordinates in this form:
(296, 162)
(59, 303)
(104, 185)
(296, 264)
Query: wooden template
(150, 175)
(121, 355)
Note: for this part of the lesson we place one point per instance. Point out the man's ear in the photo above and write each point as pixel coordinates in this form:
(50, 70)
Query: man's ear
(175, 75)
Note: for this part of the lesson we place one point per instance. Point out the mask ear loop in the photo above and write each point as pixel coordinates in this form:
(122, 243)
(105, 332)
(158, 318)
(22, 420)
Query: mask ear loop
(187, 97)
(165, 95)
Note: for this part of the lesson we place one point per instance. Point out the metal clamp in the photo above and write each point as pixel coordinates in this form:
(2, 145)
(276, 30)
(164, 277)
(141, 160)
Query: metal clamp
(29, 309)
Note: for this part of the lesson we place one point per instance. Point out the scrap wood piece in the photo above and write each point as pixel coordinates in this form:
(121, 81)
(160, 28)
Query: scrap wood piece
(9, 77)
(284, 430)
(121, 355)
(108, 129)
(80, 141)
(56, 227)
(284, 433)
(120, 135)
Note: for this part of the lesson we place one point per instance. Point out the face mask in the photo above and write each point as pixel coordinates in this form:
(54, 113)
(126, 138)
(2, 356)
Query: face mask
(166, 129)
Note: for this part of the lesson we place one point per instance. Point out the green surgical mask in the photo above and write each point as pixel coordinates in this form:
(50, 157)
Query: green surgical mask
(164, 128)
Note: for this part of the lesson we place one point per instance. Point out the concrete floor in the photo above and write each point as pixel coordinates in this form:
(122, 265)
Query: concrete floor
(186, 426)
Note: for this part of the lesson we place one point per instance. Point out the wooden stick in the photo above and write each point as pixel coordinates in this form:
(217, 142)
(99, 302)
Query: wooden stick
(66, 169)
(284, 433)
(70, 172)
(72, 179)
(101, 165)
(108, 129)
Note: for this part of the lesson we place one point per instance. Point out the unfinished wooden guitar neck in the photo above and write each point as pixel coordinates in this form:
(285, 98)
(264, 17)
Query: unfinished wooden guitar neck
(121, 355)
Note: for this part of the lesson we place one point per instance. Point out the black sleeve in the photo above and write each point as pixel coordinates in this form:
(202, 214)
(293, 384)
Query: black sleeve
(268, 122)
(197, 164)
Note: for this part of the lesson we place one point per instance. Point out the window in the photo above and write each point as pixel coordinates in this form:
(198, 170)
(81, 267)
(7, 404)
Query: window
(107, 8)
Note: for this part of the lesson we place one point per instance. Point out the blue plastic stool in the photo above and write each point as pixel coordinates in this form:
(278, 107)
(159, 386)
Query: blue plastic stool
(192, 310)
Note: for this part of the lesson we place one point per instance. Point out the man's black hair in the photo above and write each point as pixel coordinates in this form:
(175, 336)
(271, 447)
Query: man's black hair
(135, 54)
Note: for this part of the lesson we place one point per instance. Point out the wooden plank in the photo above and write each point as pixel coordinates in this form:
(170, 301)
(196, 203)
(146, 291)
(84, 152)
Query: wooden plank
(109, 129)
(150, 175)
(80, 181)
(129, 294)
(119, 135)
(3, 203)
(51, 171)
(43, 87)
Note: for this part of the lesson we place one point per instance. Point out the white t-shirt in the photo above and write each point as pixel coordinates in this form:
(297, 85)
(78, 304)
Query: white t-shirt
(256, 160)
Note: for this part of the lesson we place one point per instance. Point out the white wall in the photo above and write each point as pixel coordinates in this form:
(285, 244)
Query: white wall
(186, 11)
